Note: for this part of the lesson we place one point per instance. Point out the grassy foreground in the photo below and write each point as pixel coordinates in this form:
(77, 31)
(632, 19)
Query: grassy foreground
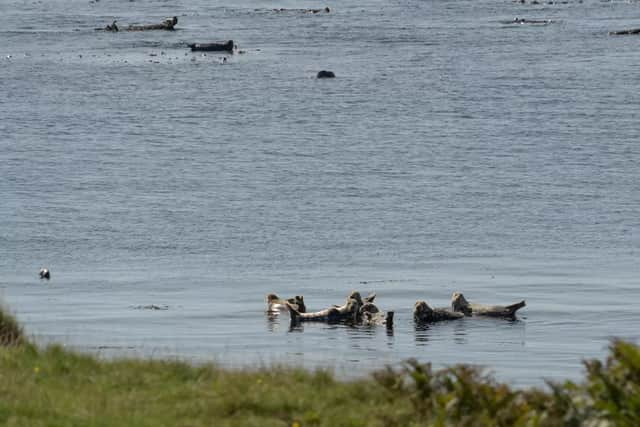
(56, 387)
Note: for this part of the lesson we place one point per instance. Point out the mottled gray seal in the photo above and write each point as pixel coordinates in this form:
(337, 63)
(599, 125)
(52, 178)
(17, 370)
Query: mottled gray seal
(423, 313)
(346, 311)
(349, 311)
(45, 273)
(276, 305)
(460, 304)
(370, 314)
(167, 24)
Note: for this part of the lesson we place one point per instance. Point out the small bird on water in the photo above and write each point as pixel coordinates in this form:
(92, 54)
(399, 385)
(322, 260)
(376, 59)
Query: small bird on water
(45, 274)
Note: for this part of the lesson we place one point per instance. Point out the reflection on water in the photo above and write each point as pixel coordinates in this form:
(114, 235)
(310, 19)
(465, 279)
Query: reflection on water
(273, 321)
(422, 333)
(460, 332)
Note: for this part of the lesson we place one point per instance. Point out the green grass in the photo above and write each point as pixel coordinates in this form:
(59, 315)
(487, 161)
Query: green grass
(10, 332)
(56, 387)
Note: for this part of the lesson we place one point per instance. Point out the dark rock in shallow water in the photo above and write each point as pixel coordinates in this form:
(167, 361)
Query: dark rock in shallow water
(228, 46)
(326, 74)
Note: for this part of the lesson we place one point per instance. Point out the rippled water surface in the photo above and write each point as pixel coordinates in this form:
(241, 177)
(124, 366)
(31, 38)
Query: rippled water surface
(454, 151)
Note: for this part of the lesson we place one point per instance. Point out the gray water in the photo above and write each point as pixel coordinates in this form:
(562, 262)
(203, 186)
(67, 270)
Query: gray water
(453, 151)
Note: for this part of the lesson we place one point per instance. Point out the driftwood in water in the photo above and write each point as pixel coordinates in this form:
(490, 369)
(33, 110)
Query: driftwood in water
(167, 24)
(276, 305)
(424, 313)
(625, 32)
(460, 304)
(228, 46)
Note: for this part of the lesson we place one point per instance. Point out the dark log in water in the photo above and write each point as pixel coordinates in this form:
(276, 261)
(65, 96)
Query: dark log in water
(228, 46)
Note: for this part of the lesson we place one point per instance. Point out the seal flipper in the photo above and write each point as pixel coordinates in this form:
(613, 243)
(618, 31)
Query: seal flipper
(515, 307)
(295, 314)
(369, 298)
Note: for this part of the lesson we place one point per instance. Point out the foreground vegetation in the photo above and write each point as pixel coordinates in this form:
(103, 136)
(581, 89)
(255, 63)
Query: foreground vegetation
(56, 387)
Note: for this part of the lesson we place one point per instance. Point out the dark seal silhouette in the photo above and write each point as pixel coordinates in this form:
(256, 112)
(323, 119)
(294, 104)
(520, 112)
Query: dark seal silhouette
(228, 46)
(113, 27)
(625, 32)
(324, 74)
(45, 273)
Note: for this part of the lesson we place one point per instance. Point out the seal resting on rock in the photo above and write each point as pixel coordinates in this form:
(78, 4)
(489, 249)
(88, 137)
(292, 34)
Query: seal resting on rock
(45, 273)
(460, 304)
(276, 305)
(423, 313)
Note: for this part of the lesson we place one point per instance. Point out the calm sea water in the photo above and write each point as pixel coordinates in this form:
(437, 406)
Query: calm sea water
(452, 152)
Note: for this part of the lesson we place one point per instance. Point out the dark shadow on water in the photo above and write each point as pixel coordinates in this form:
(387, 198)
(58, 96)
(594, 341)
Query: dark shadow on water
(273, 321)
(460, 332)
